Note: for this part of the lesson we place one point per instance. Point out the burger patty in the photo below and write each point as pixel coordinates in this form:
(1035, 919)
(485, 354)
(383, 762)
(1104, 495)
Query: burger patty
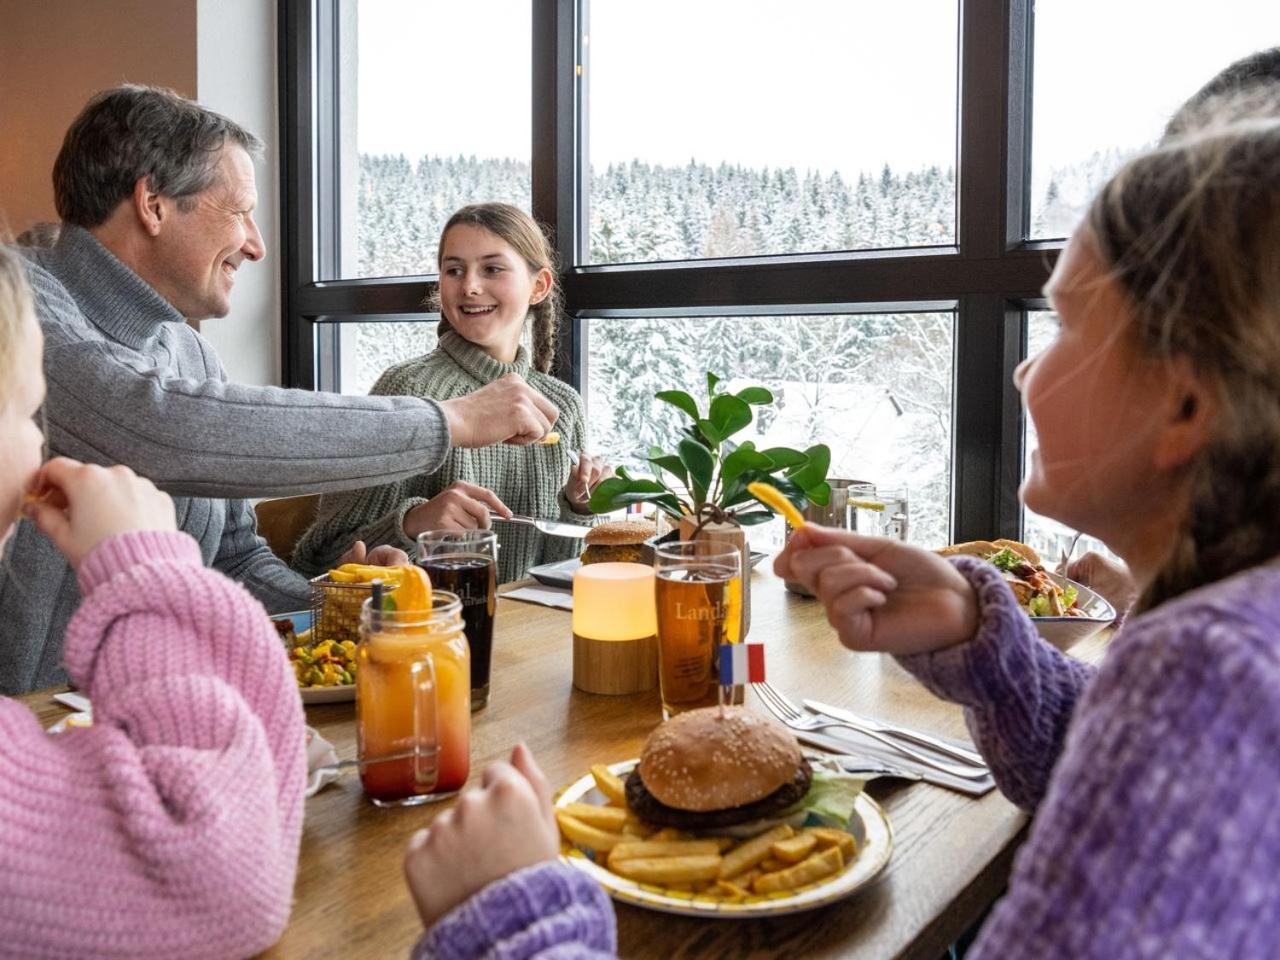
(651, 810)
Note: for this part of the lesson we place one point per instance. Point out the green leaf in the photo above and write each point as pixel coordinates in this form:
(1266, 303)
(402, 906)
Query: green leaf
(744, 458)
(821, 494)
(710, 432)
(622, 472)
(700, 464)
(784, 457)
(603, 496)
(752, 517)
(815, 471)
(712, 380)
(672, 465)
(680, 399)
(729, 414)
(756, 396)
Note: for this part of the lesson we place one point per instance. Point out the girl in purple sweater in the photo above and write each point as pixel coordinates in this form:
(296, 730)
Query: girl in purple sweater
(170, 827)
(1153, 777)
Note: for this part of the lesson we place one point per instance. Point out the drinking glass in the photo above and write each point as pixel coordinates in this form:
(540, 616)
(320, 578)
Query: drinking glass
(413, 709)
(837, 512)
(465, 562)
(883, 514)
(699, 600)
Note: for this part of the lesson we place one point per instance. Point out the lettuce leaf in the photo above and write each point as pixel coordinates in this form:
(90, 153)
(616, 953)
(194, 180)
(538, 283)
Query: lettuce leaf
(830, 798)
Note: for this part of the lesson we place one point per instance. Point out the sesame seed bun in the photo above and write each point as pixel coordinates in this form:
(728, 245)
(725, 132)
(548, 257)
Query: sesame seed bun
(702, 760)
(617, 532)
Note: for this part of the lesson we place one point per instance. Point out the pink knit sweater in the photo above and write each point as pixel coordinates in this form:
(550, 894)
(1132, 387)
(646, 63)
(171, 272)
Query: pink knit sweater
(171, 826)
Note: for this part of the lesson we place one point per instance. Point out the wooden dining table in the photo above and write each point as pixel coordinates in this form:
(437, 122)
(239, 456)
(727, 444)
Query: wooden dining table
(951, 855)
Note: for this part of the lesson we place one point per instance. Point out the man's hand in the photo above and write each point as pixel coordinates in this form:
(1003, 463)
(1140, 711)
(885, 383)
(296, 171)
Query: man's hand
(380, 556)
(881, 594)
(505, 825)
(459, 506)
(505, 411)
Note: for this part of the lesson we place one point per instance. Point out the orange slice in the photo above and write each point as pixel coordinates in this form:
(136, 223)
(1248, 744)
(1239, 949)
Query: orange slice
(414, 592)
(772, 498)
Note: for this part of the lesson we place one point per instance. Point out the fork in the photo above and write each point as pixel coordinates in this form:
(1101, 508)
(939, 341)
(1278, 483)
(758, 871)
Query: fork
(1066, 554)
(797, 719)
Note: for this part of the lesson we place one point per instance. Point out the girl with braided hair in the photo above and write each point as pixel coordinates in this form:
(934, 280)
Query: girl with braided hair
(1153, 776)
(497, 277)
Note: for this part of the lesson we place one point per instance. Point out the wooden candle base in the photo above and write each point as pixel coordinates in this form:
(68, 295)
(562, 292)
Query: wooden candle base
(615, 666)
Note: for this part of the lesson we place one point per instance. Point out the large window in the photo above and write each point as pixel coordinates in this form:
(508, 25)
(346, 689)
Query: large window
(833, 198)
(434, 114)
(875, 389)
(743, 132)
(1107, 78)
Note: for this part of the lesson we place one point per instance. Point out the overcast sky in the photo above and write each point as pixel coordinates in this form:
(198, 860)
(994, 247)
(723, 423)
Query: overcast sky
(817, 84)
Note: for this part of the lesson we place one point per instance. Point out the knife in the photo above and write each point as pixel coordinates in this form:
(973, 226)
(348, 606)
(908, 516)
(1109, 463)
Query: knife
(856, 722)
(553, 528)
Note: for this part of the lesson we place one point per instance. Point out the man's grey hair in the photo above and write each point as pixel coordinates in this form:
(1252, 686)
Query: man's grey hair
(133, 132)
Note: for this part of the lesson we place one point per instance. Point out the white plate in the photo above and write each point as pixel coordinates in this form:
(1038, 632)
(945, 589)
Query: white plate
(1066, 632)
(343, 694)
(873, 854)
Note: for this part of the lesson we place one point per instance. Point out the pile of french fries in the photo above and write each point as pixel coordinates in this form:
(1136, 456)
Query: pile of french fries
(774, 861)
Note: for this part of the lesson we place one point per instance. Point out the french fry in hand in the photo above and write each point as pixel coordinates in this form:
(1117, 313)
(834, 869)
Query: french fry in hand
(794, 849)
(669, 870)
(551, 439)
(772, 498)
(808, 871)
(647, 849)
(612, 819)
(746, 855)
(610, 784)
(830, 837)
(585, 835)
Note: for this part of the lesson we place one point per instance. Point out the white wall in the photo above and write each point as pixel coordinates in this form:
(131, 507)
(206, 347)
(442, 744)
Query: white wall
(236, 75)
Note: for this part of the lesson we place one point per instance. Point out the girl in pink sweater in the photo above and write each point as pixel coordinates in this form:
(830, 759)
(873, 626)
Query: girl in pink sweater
(170, 827)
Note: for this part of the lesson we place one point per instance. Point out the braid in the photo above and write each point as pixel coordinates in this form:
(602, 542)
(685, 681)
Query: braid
(546, 323)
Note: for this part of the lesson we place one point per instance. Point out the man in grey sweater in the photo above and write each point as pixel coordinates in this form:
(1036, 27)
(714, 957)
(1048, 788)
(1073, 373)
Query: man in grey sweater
(156, 195)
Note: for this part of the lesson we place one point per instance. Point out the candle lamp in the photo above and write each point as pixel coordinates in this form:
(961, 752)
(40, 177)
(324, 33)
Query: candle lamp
(615, 645)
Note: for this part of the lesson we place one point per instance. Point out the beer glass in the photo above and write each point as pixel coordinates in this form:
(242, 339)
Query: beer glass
(413, 710)
(699, 600)
(465, 562)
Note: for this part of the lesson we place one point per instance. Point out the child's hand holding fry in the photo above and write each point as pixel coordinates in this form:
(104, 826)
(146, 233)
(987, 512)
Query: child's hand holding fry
(881, 594)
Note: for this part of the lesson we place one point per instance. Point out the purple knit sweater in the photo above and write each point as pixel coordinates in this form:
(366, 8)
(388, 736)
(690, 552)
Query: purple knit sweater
(1154, 778)
(1157, 826)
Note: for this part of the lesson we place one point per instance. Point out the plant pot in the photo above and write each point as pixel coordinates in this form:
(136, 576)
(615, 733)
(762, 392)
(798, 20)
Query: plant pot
(729, 534)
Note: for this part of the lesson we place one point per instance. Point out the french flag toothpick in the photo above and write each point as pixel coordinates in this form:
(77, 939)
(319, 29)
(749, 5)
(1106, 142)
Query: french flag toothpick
(741, 663)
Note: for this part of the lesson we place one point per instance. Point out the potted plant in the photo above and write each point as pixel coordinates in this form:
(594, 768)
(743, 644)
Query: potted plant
(701, 486)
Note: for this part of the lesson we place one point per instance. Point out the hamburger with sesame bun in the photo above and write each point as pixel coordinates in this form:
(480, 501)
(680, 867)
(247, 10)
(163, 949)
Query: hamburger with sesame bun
(619, 541)
(714, 770)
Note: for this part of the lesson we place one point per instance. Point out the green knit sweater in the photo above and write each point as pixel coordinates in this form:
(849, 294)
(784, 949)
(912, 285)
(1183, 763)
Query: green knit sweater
(527, 479)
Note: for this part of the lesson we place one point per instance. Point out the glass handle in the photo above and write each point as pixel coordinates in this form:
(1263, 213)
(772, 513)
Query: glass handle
(426, 750)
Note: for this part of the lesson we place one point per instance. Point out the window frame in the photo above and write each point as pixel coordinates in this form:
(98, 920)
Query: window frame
(990, 277)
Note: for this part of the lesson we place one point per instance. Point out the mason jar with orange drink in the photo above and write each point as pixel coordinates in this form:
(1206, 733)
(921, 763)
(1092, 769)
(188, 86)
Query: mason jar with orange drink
(413, 696)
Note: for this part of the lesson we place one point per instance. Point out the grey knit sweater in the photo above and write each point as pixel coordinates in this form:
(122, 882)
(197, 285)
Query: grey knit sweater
(130, 382)
(528, 479)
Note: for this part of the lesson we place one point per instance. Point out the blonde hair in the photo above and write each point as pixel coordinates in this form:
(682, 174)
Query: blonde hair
(512, 225)
(1191, 232)
(15, 311)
